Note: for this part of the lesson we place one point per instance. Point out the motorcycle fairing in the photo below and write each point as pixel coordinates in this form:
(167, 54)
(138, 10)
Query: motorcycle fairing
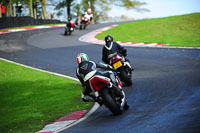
(115, 59)
(128, 64)
(89, 75)
(98, 82)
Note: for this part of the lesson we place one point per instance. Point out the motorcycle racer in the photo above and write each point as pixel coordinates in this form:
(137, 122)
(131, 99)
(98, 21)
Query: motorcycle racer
(110, 48)
(89, 14)
(114, 54)
(85, 19)
(69, 27)
(86, 70)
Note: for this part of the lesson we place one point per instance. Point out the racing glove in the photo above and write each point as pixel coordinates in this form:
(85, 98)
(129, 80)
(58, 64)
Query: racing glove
(111, 68)
(124, 52)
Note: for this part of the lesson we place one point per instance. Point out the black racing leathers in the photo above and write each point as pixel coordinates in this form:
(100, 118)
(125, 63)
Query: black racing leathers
(112, 50)
(85, 71)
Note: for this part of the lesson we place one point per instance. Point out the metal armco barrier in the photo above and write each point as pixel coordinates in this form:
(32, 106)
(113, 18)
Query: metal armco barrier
(9, 22)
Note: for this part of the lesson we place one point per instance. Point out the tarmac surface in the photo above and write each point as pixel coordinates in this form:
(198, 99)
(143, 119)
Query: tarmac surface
(164, 97)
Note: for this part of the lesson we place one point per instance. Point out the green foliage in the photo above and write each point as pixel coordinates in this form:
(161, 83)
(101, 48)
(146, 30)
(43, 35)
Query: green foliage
(60, 5)
(105, 5)
(102, 5)
(77, 9)
(65, 3)
(85, 4)
(128, 3)
(176, 30)
(30, 99)
(44, 12)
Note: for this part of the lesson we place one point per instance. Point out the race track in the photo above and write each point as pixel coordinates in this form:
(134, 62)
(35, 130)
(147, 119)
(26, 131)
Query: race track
(165, 96)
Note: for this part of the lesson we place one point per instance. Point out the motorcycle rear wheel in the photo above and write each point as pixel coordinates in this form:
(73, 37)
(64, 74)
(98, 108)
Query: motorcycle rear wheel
(123, 76)
(110, 103)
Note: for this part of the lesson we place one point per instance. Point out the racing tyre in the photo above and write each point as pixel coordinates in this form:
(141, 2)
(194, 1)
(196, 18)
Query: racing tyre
(81, 27)
(126, 79)
(110, 103)
(66, 32)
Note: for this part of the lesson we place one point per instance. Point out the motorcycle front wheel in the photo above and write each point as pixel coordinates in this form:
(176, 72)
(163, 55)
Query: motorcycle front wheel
(84, 26)
(80, 27)
(109, 102)
(67, 32)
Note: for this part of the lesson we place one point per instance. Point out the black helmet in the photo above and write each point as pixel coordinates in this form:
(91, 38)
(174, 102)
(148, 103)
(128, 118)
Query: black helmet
(108, 38)
(109, 41)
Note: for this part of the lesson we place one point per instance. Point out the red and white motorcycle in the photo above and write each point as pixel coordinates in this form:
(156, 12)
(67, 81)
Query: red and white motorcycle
(85, 21)
(111, 93)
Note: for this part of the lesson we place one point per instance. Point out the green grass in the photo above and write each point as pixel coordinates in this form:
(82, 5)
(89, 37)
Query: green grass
(181, 30)
(29, 99)
(6, 29)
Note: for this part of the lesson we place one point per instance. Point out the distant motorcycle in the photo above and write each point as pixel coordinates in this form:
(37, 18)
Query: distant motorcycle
(123, 67)
(112, 97)
(84, 22)
(69, 28)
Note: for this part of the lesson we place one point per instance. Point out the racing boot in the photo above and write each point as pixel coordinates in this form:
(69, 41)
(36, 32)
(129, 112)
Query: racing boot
(99, 100)
(126, 106)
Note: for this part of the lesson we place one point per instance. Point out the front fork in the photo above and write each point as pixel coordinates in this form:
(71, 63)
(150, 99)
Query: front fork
(119, 92)
(128, 65)
(123, 99)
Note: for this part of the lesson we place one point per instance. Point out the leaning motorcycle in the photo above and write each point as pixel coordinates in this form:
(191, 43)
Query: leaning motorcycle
(69, 28)
(123, 68)
(112, 97)
(84, 22)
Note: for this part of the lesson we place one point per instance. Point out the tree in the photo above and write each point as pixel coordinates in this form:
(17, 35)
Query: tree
(100, 7)
(30, 6)
(130, 4)
(66, 3)
(77, 9)
(44, 12)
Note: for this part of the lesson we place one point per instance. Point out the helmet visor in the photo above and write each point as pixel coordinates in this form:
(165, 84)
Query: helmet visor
(109, 45)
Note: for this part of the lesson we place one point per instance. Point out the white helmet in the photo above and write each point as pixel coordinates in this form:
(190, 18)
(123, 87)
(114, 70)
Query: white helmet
(89, 11)
(81, 57)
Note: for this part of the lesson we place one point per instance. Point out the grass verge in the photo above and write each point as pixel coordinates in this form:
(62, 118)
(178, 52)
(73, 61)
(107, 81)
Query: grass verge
(178, 31)
(29, 99)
